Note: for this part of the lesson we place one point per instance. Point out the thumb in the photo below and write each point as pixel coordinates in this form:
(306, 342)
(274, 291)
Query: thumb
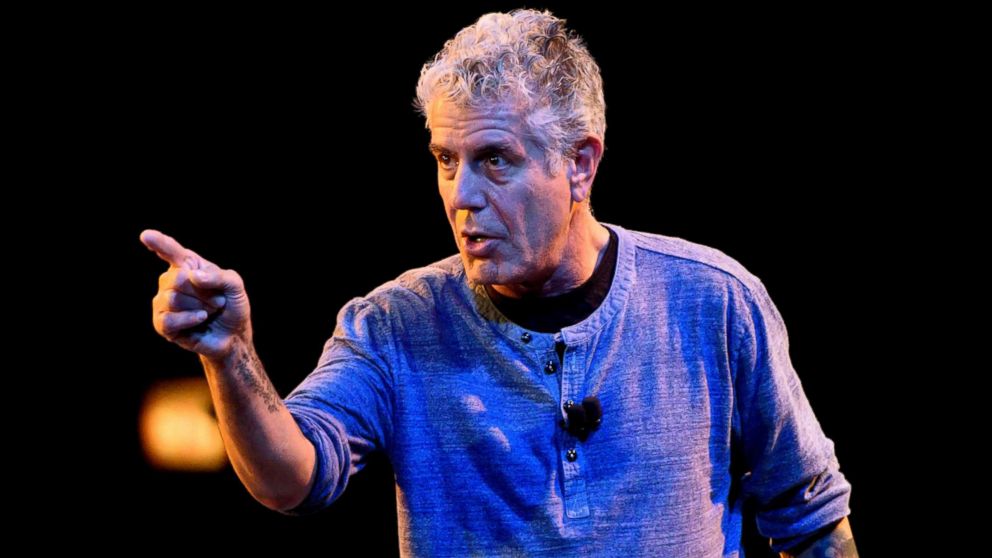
(217, 280)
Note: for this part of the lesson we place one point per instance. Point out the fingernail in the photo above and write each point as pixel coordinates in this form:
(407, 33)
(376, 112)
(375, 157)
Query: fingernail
(218, 300)
(201, 315)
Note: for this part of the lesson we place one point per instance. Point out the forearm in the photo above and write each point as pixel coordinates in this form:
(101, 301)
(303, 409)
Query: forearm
(270, 454)
(838, 543)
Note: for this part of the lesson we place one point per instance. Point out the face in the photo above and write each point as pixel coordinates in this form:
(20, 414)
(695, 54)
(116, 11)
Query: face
(510, 219)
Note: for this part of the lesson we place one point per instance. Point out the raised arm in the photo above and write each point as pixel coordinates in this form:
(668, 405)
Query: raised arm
(204, 309)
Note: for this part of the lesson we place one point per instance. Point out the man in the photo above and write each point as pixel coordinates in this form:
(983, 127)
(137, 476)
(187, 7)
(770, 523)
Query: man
(560, 385)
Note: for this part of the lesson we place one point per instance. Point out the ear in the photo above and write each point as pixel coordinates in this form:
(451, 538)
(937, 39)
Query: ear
(582, 168)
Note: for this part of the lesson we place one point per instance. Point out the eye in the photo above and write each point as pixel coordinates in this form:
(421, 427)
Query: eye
(495, 161)
(446, 161)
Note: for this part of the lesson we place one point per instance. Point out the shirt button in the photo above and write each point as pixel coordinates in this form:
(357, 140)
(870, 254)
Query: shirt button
(572, 455)
(550, 367)
(569, 404)
(525, 337)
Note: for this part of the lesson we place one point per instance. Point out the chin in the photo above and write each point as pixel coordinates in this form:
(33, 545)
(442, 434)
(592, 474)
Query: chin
(478, 275)
(482, 272)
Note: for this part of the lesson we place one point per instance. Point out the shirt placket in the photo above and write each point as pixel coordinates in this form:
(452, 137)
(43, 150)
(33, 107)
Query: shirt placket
(570, 453)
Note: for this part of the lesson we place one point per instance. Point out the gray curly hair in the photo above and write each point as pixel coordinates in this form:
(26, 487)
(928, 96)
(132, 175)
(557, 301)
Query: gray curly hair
(529, 59)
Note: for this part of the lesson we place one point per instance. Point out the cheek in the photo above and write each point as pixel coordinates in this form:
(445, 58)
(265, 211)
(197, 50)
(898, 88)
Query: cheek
(547, 214)
(533, 231)
(548, 227)
(445, 201)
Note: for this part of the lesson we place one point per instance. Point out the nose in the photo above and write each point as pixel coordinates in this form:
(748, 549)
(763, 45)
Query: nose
(468, 189)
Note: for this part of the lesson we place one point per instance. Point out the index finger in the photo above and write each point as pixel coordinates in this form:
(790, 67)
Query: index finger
(164, 246)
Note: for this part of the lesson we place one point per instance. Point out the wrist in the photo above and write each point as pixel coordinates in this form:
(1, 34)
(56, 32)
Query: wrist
(239, 348)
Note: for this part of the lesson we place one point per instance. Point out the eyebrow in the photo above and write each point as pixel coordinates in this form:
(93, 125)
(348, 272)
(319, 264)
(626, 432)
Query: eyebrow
(435, 149)
(488, 147)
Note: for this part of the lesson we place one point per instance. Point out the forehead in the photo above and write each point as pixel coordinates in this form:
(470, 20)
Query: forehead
(457, 128)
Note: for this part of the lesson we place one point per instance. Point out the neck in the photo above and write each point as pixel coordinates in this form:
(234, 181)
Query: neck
(584, 248)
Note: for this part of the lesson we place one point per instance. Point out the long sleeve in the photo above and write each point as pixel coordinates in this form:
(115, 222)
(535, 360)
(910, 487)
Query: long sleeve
(344, 407)
(790, 467)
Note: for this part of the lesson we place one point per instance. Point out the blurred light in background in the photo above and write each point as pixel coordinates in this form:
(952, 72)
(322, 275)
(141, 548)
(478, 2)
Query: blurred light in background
(178, 428)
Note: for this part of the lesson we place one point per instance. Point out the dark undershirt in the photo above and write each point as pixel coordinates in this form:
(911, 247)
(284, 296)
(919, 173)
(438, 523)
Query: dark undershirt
(550, 314)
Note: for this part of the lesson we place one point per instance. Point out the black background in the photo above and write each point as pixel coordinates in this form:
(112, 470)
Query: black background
(285, 146)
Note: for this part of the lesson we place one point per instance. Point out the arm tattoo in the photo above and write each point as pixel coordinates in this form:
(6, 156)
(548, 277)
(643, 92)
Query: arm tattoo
(251, 372)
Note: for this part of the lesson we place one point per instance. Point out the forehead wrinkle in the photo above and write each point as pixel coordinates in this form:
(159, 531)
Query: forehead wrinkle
(451, 123)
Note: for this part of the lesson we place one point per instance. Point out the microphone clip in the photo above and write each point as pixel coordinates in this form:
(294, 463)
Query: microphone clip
(584, 418)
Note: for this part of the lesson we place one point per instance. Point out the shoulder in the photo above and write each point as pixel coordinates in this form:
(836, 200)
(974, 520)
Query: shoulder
(415, 292)
(678, 261)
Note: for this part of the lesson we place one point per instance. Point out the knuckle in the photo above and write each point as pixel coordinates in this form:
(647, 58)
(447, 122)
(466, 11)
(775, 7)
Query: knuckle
(158, 322)
(170, 279)
(233, 278)
(162, 301)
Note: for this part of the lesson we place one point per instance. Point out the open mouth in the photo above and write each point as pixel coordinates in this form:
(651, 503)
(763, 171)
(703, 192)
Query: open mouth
(478, 245)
